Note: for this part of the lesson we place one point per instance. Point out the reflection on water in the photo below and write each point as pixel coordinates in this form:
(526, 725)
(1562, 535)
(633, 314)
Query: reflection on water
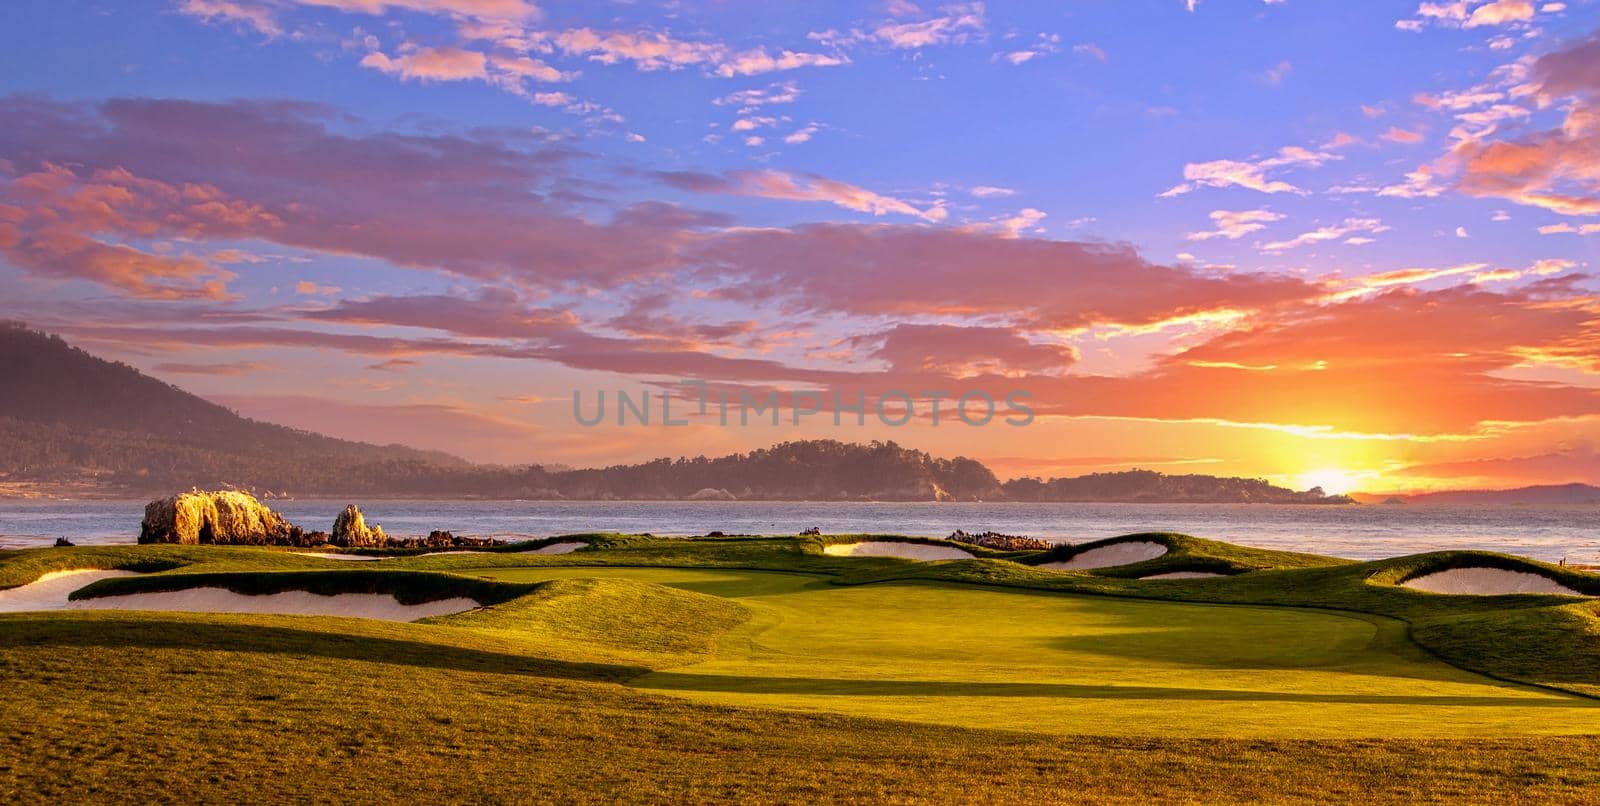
(1359, 532)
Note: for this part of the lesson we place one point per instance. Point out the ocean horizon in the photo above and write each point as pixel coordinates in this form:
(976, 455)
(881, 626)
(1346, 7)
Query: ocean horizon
(1548, 533)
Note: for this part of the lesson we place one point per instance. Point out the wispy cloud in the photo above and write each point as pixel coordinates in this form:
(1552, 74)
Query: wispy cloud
(1249, 174)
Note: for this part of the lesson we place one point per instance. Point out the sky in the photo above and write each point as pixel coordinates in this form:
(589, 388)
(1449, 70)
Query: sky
(1322, 243)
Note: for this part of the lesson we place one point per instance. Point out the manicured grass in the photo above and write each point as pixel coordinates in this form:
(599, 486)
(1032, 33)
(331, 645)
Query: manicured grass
(612, 619)
(994, 658)
(762, 669)
(184, 708)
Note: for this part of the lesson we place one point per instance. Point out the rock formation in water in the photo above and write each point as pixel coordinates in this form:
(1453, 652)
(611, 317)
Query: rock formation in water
(350, 530)
(713, 494)
(225, 517)
(1002, 542)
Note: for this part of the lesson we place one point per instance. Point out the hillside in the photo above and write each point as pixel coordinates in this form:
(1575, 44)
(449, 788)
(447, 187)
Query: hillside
(70, 417)
(1545, 495)
(71, 420)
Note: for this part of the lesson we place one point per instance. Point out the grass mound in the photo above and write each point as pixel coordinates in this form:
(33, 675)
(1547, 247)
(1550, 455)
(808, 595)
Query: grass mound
(611, 619)
(1552, 645)
(1184, 553)
(1404, 569)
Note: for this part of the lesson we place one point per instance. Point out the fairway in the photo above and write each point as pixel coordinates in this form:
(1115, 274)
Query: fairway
(1043, 662)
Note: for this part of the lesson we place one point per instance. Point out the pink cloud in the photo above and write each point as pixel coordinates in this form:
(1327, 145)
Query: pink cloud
(887, 270)
(771, 184)
(431, 64)
(961, 352)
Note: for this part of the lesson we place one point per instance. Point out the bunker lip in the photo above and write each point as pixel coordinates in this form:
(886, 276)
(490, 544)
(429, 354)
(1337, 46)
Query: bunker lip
(381, 606)
(1487, 580)
(333, 555)
(1110, 555)
(1184, 575)
(563, 547)
(904, 550)
(54, 591)
(50, 591)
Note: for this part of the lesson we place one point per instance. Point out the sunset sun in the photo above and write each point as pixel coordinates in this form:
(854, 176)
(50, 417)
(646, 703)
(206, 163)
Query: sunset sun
(1333, 480)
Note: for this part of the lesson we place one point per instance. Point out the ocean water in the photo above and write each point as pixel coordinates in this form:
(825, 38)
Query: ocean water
(1357, 532)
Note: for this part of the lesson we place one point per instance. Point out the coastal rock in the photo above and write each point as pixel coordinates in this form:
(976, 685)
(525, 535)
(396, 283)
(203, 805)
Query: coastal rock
(350, 530)
(225, 517)
(1001, 542)
(713, 494)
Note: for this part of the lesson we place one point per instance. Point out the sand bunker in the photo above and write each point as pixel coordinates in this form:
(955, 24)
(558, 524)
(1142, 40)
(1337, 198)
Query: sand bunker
(1487, 582)
(1126, 553)
(564, 547)
(50, 591)
(891, 548)
(329, 555)
(1184, 575)
(288, 603)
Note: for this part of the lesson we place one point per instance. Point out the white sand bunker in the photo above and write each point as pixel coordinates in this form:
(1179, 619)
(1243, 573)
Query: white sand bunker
(288, 603)
(329, 555)
(1125, 553)
(50, 591)
(892, 548)
(1184, 575)
(564, 547)
(1487, 582)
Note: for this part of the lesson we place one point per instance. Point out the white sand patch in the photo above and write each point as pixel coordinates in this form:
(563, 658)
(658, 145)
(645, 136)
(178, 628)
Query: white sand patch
(329, 555)
(1487, 582)
(564, 547)
(891, 548)
(1126, 553)
(50, 591)
(288, 603)
(446, 553)
(1184, 575)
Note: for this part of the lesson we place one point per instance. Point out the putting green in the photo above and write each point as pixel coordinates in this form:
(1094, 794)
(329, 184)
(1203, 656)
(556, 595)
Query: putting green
(1064, 664)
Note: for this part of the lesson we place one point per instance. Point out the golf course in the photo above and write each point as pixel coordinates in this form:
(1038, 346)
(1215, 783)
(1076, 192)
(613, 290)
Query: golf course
(606, 666)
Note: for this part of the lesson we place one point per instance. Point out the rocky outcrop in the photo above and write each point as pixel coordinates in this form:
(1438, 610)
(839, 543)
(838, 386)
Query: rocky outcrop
(226, 517)
(350, 530)
(1002, 542)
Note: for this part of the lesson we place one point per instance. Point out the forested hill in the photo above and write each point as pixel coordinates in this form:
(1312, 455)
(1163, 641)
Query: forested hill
(67, 416)
(71, 419)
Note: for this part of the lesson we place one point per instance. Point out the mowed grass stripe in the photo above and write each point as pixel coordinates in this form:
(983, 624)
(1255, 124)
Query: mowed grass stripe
(996, 658)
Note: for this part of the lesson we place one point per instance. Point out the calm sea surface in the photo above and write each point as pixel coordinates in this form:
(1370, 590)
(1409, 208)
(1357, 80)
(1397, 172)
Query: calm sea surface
(1358, 532)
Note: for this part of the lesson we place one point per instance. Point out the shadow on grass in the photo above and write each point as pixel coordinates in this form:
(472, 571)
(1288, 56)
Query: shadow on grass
(122, 632)
(822, 686)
